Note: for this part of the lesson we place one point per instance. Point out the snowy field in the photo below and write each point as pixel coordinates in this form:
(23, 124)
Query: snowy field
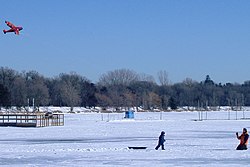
(96, 139)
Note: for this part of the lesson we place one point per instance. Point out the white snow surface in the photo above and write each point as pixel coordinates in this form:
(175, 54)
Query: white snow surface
(96, 139)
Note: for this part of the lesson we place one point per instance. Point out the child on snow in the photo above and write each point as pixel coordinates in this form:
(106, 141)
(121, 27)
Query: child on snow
(161, 141)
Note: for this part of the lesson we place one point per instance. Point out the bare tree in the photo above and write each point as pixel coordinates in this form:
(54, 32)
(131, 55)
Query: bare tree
(103, 100)
(70, 89)
(37, 88)
(154, 100)
(130, 99)
(146, 77)
(118, 77)
(163, 78)
(189, 82)
(70, 95)
(19, 92)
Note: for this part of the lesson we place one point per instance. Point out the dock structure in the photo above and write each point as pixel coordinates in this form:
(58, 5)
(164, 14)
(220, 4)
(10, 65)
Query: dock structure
(31, 119)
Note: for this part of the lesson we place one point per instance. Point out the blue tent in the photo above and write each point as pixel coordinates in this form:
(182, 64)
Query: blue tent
(129, 114)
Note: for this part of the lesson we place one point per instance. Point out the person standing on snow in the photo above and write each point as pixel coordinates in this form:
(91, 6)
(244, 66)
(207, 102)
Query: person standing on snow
(161, 141)
(243, 140)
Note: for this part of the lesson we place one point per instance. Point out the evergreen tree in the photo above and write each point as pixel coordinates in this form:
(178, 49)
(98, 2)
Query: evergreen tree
(172, 103)
(5, 98)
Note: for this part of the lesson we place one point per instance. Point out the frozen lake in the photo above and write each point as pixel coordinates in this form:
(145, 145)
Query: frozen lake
(103, 139)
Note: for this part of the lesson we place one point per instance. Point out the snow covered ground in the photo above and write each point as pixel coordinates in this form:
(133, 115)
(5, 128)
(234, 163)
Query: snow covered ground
(95, 139)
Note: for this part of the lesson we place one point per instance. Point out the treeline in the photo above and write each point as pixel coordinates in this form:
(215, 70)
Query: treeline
(121, 88)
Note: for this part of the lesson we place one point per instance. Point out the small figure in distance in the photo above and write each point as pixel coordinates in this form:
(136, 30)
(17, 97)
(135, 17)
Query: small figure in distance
(161, 141)
(243, 140)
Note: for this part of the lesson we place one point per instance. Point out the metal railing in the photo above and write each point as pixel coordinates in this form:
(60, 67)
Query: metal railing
(31, 119)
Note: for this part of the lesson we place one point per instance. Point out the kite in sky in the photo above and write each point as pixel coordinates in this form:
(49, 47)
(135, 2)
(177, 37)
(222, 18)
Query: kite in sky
(13, 28)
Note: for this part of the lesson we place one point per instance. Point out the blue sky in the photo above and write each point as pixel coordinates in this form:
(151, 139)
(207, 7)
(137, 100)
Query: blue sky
(188, 39)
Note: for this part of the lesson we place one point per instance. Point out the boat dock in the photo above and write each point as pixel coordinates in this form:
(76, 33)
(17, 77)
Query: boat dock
(31, 119)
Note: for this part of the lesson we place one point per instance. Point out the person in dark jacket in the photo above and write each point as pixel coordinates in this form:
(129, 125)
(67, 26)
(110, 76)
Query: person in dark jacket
(243, 140)
(161, 141)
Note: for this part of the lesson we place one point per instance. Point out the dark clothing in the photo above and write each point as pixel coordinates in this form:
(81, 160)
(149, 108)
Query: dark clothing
(160, 142)
(243, 141)
(241, 147)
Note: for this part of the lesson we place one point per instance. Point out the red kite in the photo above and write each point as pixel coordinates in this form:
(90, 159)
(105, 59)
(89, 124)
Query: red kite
(13, 28)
